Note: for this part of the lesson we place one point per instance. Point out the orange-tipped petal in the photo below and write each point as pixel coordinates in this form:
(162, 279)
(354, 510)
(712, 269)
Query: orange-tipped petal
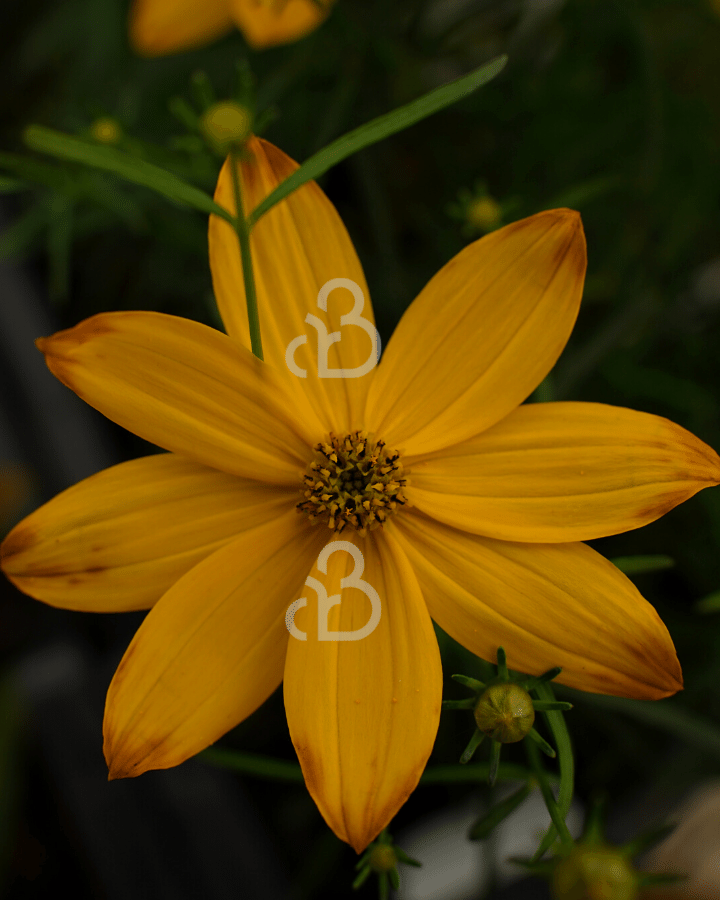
(185, 387)
(547, 605)
(119, 539)
(210, 651)
(563, 472)
(158, 27)
(481, 335)
(297, 247)
(363, 714)
(267, 23)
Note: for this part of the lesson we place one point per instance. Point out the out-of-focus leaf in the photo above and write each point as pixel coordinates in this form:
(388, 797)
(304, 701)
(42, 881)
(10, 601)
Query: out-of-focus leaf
(634, 565)
(709, 604)
(138, 171)
(486, 824)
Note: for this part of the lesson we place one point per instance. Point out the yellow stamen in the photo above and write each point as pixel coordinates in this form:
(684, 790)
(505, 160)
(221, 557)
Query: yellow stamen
(355, 482)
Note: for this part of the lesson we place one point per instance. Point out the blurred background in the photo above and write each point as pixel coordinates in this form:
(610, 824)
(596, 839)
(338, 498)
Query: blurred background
(612, 108)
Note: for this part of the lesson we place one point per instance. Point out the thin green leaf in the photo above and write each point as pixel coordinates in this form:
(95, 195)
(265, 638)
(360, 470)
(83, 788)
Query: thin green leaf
(475, 741)
(468, 682)
(709, 604)
(476, 773)
(540, 741)
(253, 764)
(644, 842)
(566, 764)
(362, 878)
(394, 879)
(378, 129)
(459, 704)
(110, 159)
(635, 565)
(553, 807)
(497, 814)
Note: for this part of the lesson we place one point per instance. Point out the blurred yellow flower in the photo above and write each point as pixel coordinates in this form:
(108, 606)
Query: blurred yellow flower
(158, 27)
(462, 504)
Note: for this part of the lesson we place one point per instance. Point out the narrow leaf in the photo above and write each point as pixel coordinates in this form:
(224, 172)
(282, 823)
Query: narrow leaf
(566, 763)
(709, 604)
(468, 682)
(487, 823)
(110, 159)
(636, 565)
(253, 764)
(378, 129)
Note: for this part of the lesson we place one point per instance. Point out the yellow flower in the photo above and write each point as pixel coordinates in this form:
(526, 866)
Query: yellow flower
(484, 506)
(158, 27)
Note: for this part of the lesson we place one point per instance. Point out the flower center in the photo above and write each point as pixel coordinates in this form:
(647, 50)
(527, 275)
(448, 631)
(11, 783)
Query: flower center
(353, 481)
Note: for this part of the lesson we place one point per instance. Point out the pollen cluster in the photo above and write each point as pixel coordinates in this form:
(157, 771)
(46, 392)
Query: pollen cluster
(353, 481)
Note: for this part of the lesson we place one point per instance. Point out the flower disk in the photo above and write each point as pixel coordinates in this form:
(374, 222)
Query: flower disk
(353, 481)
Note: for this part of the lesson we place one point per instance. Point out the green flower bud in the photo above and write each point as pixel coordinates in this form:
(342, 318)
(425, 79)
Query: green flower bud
(505, 712)
(226, 124)
(382, 858)
(594, 873)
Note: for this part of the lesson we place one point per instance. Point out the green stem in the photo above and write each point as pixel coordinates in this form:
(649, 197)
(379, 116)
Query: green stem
(243, 235)
(533, 755)
(566, 762)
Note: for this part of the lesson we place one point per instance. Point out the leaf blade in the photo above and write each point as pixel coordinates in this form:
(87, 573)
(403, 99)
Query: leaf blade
(378, 129)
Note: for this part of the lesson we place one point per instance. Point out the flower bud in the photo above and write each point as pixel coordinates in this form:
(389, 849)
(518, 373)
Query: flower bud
(505, 712)
(226, 124)
(106, 130)
(484, 214)
(594, 873)
(382, 858)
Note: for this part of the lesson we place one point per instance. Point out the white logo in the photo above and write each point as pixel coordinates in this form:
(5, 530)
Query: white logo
(325, 603)
(326, 340)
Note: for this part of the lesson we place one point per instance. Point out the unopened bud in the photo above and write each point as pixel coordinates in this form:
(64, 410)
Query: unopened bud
(484, 214)
(505, 712)
(226, 124)
(106, 130)
(594, 873)
(382, 858)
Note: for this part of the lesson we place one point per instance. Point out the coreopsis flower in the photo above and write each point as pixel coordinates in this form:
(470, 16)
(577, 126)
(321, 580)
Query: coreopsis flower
(447, 500)
(158, 27)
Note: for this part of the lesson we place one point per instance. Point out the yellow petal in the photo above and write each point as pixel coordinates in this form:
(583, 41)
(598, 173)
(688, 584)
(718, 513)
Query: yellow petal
(266, 23)
(563, 472)
(297, 247)
(210, 651)
(481, 335)
(363, 714)
(158, 27)
(119, 539)
(185, 387)
(547, 605)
